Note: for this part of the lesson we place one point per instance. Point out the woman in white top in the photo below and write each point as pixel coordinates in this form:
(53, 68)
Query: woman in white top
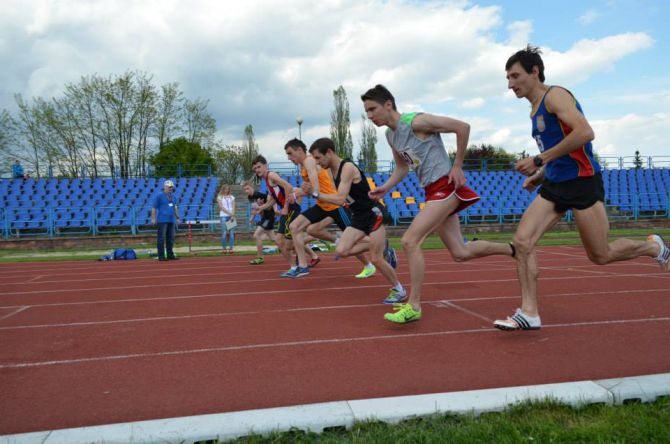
(226, 203)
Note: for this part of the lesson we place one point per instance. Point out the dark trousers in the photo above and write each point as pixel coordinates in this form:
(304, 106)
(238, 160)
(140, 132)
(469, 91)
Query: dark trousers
(165, 239)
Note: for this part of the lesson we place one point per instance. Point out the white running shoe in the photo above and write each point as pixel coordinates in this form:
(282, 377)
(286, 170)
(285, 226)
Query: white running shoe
(664, 256)
(519, 321)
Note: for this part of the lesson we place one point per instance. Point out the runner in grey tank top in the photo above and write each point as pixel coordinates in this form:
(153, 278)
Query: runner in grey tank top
(416, 142)
(427, 157)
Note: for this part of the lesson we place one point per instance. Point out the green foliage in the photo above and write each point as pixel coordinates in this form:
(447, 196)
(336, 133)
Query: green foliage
(230, 163)
(637, 162)
(534, 422)
(495, 158)
(248, 152)
(367, 156)
(104, 126)
(340, 132)
(181, 151)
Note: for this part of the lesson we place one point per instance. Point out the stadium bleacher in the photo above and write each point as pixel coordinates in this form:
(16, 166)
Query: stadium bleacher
(94, 206)
(63, 206)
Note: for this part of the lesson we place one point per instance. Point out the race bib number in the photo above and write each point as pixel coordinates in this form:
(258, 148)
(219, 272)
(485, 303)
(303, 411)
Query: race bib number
(410, 158)
(540, 145)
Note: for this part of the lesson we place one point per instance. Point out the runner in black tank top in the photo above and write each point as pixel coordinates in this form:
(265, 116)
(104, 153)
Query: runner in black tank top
(358, 199)
(367, 216)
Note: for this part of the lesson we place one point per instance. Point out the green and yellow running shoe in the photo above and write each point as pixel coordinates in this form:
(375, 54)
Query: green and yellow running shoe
(404, 313)
(367, 272)
(256, 261)
(396, 296)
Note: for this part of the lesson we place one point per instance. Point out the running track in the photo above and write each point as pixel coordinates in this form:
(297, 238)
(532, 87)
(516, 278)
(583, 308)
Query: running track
(96, 343)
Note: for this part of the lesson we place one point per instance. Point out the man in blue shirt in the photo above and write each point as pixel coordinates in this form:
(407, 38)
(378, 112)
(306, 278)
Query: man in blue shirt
(17, 170)
(569, 177)
(164, 211)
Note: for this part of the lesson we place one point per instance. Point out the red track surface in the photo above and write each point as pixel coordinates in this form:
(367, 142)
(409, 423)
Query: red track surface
(94, 343)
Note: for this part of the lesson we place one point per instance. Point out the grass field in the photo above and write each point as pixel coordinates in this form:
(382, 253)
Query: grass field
(539, 422)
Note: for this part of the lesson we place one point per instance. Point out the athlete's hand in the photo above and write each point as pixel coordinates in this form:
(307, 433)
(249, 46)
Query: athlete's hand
(457, 177)
(307, 188)
(377, 193)
(526, 166)
(533, 181)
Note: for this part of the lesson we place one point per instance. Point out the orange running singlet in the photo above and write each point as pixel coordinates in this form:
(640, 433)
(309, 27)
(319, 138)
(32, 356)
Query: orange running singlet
(326, 186)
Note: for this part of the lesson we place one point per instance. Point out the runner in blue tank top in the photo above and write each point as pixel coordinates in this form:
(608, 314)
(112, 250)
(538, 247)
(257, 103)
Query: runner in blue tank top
(570, 178)
(416, 143)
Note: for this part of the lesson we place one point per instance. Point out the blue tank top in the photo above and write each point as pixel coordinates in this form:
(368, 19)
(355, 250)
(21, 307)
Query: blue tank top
(548, 131)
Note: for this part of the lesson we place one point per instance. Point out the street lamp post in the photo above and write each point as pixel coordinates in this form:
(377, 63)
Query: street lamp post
(299, 121)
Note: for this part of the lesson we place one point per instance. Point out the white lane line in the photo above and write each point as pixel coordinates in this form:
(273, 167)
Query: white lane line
(15, 312)
(582, 256)
(315, 308)
(450, 304)
(609, 273)
(149, 268)
(187, 317)
(246, 281)
(14, 365)
(461, 268)
(306, 290)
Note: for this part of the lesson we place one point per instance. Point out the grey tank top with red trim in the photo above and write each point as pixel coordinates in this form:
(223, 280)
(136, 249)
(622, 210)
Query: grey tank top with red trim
(427, 157)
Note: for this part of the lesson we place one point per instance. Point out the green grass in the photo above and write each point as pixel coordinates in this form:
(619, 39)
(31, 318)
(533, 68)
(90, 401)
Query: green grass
(537, 422)
(432, 242)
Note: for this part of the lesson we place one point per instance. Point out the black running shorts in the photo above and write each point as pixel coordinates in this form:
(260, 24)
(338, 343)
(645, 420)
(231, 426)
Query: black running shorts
(285, 221)
(371, 220)
(580, 193)
(267, 223)
(341, 216)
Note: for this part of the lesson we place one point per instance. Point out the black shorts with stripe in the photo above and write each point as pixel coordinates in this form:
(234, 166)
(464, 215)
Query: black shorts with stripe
(580, 193)
(341, 216)
(267, 223)
(285, 221)
(370, 220)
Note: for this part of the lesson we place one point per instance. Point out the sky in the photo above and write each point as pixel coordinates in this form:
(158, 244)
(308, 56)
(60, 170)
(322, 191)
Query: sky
(266, 62)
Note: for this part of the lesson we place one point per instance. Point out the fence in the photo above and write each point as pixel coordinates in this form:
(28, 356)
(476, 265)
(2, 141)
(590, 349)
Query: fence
(498, 210)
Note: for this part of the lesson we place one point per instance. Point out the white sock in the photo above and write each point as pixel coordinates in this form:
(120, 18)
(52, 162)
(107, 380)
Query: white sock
(294, 267)
(369, 265)
(399, 288)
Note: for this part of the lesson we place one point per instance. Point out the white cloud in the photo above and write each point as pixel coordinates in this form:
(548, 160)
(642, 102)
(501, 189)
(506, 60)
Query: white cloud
(519, 33)
(587, 57)
(624, 135)
(476, 102)
(264, 62)
(588, 17)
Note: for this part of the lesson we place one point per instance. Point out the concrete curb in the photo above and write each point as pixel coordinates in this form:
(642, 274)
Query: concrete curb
(322, 416)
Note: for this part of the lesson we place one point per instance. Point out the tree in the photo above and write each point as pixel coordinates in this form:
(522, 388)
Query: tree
(339, 124)
(106, 123)
(637, 161)
(495, 158)
(249, 151)
(6, 139)
(367, 156)
(170, 103)
(200, 125)
(181, 152)
(229, 163)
